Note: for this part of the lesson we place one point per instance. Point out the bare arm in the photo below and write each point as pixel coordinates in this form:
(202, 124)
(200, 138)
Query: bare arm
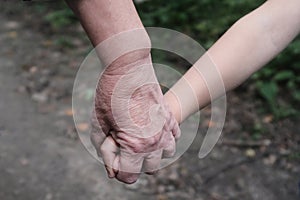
(102, 19)
(247, 46)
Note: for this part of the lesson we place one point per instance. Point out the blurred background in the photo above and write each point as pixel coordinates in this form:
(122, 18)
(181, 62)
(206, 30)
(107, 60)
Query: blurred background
(41, 157)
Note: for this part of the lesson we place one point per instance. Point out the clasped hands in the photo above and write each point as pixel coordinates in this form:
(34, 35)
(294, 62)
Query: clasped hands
(133, 128)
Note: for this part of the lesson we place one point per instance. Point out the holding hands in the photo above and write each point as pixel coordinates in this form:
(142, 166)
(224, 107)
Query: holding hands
(133, 127)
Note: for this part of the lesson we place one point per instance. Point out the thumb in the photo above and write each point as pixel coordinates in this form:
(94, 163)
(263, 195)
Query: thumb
(109, 151)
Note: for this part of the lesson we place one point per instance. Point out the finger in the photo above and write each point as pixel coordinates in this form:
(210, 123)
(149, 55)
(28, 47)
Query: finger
(99, 131)
(97, 139)
(172, 123)
(109, 151)
(170, 149)
(98, 124)
(130, 167)
(176, 129)
(152, 162)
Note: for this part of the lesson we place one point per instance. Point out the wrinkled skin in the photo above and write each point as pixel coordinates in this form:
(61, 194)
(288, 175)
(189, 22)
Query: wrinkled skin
(133, 143)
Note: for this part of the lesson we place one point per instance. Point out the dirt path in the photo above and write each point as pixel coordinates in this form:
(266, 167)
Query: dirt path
(37, 162)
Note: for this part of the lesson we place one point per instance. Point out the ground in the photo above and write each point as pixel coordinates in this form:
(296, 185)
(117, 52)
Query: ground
(42, 158)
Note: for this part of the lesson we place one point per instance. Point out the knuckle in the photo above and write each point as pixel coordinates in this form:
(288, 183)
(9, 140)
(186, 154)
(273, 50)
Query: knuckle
(102, 148)
(169, 154)
(152, 141)
(95, 139)
(145, 145)
(138, 148)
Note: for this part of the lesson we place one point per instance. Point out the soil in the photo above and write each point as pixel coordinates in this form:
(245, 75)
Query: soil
(41, 156)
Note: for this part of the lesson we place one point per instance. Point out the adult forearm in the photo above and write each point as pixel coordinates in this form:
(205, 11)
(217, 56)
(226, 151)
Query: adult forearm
(104, 19)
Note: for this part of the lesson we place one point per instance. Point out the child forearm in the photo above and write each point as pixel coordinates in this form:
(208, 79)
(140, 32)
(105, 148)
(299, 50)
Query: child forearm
(247, 46)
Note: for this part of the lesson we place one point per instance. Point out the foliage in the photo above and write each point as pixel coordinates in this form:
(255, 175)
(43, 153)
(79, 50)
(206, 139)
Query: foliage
(60, 18)
(58, 15)
(204, 20)
(280, 79)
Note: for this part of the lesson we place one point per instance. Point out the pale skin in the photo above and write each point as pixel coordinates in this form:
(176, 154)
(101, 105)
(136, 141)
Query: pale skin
(247, 46)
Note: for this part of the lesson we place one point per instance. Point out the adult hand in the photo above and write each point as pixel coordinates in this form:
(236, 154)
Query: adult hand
(133, 127)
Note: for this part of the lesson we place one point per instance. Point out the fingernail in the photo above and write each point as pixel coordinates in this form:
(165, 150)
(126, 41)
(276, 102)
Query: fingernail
(152, 172)
(116, 164)
(110, 172)
(110, 175)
